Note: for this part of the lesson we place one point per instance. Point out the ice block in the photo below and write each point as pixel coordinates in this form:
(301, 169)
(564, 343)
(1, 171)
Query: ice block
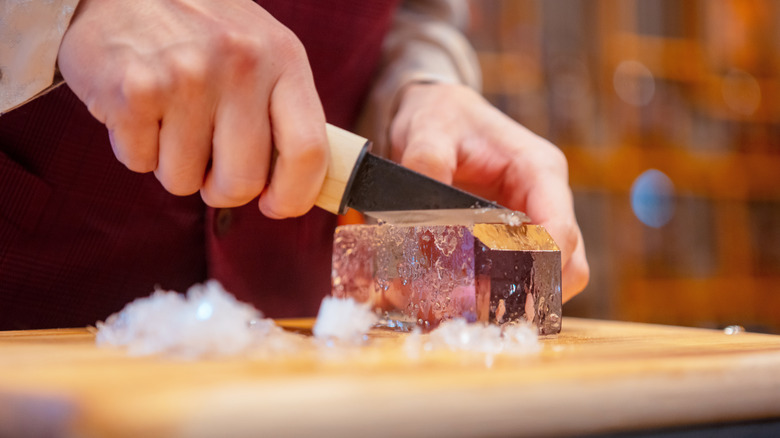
(423, 274)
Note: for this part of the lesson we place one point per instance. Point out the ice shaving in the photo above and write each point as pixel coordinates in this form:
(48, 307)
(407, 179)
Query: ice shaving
(458, 335)
(206, 322)
(209, 322)
(344, 320)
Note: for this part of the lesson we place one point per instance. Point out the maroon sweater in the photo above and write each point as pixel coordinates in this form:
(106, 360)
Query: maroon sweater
(80, 235)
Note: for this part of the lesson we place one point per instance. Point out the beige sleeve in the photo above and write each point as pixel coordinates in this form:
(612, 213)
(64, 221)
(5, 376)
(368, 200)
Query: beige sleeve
(425, 44)
(30, 36)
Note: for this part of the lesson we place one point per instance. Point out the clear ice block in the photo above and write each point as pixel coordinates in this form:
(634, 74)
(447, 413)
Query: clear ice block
(424, 274)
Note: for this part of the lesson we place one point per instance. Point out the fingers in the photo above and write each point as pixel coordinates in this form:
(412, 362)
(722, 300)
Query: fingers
(426, 143)
(132, 117)
(186, 126)
(240, 153)
(574, 265)
(575, 273)
(135, 144)
(429, 150)
(549, 203)
(185, 147)
(298, 125)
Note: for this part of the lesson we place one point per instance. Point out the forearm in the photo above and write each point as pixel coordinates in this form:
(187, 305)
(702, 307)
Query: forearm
(425, 44)
(30, 36)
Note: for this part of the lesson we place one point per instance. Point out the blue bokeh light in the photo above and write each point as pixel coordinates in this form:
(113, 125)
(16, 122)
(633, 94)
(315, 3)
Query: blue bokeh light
(653, 198)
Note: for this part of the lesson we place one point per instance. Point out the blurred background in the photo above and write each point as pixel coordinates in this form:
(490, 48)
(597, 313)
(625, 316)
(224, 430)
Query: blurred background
(669, 115)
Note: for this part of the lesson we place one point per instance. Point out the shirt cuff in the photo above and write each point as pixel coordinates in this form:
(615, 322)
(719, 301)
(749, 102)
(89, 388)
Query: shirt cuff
(30, 37)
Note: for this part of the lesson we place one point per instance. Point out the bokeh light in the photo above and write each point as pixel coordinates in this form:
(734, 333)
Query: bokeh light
(741, 92)
(634, 83)
(653, 198)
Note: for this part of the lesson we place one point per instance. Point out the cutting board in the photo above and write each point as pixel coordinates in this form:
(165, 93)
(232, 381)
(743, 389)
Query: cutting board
(595, 377)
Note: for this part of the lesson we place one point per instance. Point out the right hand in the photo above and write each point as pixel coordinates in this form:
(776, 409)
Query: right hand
(199, 91)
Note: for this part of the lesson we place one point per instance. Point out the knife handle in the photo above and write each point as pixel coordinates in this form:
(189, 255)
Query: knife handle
(346, 151)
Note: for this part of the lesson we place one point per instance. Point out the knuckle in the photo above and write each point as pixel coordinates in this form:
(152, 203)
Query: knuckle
(550, 158)
(231, 42)
(286, 42)
(188, 70)
(178, 184)
(289, 55)
(311, 150)
(140, 164)
(182, 188)
(137, 160)
(237, 191)
(246, 52)
(225, 40)
(543, 161)
(181, 178)
(284, 210)
(140, 90)
(558, 159)
(243, 52)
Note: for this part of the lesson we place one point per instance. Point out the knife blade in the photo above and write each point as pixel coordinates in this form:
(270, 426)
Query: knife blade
(370, 184)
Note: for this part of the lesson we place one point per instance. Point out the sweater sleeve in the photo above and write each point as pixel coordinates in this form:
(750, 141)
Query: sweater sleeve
(30, 36)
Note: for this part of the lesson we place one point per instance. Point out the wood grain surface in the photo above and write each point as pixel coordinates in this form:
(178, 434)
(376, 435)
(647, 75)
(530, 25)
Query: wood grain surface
(595, 377)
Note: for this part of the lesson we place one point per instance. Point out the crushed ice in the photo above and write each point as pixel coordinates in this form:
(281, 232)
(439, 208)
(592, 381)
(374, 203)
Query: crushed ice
(458, 335)
(210, 322)
(207, 322)
(344, 319)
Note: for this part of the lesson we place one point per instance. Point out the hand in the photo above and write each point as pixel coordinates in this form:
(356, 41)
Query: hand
(452, 134)
(198, 91)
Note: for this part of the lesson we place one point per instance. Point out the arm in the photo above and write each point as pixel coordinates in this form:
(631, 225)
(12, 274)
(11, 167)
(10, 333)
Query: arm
(428, 116)
(30, 35)
(424, 45)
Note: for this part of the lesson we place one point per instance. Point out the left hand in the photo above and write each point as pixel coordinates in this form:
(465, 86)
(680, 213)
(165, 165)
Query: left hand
(451, 133)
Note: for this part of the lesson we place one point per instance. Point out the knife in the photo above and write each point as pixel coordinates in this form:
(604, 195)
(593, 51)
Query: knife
(370, 184)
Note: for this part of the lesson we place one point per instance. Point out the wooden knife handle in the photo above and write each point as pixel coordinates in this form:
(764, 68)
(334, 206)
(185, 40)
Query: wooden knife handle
(346, 150)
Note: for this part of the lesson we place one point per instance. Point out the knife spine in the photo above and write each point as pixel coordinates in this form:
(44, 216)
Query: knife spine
(382, 185)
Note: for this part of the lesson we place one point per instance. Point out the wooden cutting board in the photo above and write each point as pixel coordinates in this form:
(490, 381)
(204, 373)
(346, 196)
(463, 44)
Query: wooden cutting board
(595, 377)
